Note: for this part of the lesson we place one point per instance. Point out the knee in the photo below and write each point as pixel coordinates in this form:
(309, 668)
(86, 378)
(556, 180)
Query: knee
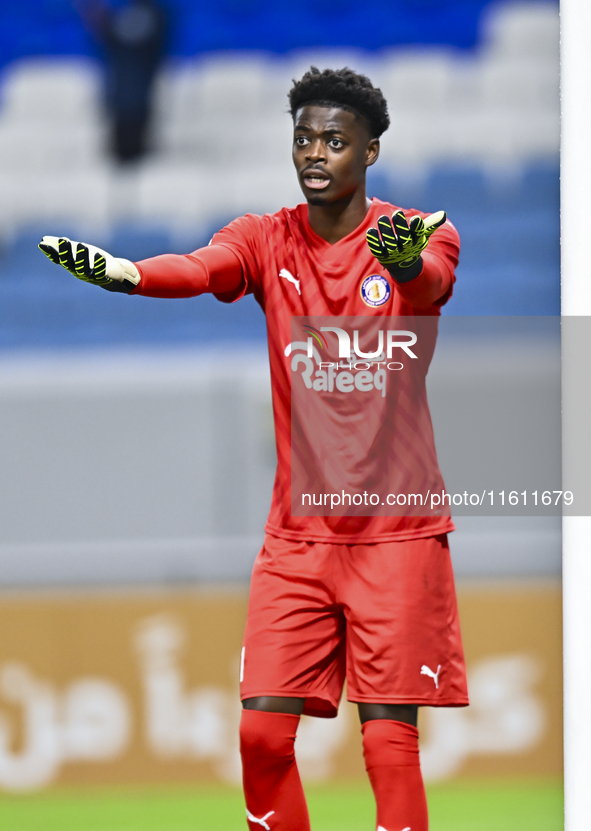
(390, 743)
(268, 735)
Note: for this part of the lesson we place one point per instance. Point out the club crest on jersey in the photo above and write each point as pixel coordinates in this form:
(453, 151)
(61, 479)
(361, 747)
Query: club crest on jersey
(375, 290)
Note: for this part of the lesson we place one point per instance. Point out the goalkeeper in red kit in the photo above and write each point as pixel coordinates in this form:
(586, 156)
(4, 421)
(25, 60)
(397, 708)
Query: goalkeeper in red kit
(367, 599)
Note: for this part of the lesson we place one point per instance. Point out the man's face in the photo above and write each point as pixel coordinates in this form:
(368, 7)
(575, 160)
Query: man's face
(332, 149)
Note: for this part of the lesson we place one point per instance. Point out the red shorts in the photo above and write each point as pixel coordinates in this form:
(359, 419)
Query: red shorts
(383, 616)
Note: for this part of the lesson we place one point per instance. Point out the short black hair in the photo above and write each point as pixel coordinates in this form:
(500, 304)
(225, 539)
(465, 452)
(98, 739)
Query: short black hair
(345, 89)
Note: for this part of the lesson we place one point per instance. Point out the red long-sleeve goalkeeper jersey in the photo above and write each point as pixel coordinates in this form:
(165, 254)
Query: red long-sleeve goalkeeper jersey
(297, 278)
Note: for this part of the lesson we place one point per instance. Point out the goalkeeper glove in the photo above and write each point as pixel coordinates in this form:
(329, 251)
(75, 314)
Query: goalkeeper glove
(397, 245)
(91, 264)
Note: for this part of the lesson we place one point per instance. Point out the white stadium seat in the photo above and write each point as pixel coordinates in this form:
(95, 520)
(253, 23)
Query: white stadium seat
(54, 145)
(57, 196)
(222, 135)
(240, 83)
(418, 80)
(51, 89)
(523, 30)
(519, 82)
(172, 193)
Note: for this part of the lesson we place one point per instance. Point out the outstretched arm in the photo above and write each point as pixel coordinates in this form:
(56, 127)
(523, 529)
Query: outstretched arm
(215, 269)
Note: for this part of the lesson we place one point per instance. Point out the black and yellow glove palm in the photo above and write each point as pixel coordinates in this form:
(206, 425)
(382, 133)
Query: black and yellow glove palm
(91, 264)
(397, 244)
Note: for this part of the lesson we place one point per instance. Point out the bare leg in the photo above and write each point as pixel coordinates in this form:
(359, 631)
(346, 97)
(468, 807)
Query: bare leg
(406, 713)
(275, 704)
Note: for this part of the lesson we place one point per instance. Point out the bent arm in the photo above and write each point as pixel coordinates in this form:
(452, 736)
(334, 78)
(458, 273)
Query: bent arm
(214, 269)
(434, 283)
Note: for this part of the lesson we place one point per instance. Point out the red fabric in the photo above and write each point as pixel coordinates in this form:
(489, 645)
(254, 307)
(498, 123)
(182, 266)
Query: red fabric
(272, 788)
(330, 274)
(274, 247)
(391, 753)
(379, 614)
(214, 269)
(362, 443)
(293, 272)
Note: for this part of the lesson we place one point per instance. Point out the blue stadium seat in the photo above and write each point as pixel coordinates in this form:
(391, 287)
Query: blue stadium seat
(138, 242)
(41, 306)
(510, 265)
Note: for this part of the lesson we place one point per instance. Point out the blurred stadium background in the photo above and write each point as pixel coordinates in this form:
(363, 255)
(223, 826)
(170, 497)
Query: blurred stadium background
(137, 441)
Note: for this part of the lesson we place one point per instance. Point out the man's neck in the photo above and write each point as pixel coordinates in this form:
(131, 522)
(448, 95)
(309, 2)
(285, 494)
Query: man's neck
(337, 220)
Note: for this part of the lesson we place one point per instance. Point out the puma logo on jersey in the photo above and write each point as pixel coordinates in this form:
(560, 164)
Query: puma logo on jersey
(290, 278)
(434, 675)
(262, 821)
